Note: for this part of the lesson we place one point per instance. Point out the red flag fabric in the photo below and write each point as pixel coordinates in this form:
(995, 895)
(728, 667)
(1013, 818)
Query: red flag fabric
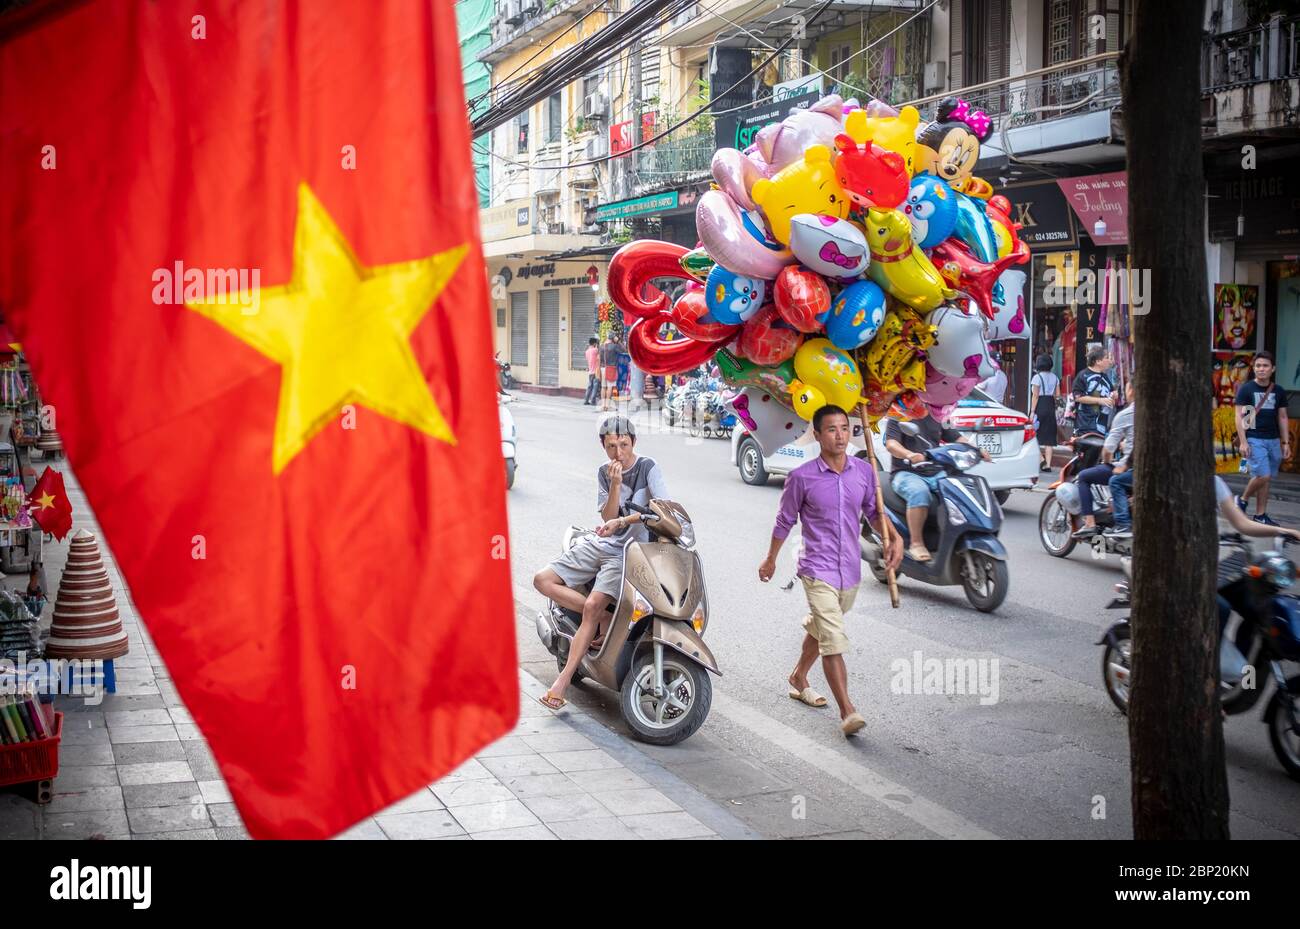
(49, 504)
(239, 243)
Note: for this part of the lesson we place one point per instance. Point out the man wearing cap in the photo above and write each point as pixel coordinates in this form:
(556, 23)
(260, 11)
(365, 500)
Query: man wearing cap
(624, 478)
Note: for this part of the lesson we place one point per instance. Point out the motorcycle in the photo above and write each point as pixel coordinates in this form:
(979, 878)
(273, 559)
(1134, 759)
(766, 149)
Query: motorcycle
(961, 529)
(1060, 515)
(505, 380)
(653, 654)
(1266, 635)
(509, 437)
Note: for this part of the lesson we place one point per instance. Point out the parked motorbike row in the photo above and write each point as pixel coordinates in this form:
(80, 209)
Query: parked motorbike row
(699, 403)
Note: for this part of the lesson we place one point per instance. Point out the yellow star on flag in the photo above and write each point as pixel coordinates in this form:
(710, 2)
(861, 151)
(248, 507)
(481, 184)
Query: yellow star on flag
(46, 500)
(341, 332)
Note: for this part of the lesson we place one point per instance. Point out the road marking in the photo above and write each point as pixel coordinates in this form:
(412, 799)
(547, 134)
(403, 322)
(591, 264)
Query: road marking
(939, 820)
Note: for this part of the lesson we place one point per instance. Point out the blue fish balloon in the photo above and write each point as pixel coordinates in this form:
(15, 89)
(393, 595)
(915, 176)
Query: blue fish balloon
(931, 207)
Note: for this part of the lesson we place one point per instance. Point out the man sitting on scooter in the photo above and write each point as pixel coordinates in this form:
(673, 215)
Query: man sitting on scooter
(624, 479)
(1115, 463)
(908, 450)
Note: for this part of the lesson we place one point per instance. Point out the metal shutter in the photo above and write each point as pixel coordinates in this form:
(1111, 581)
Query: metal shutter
(956, 60)
(519, 329)
(548, 324)
(582, 325)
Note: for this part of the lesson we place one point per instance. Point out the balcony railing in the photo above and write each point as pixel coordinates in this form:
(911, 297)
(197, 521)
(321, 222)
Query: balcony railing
(1267, 52)
(673, 161)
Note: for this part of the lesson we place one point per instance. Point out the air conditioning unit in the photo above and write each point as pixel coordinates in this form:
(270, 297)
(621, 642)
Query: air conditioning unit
(512, 12)
(936, 75)
(531, 8)
(591, 229)
(595, 106)
(597, 147)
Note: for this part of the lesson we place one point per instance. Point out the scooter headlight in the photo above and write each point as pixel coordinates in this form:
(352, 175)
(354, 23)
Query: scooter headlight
(1277, 570)
(687, 537)
(964, 458)
(955, 516)
(640, 609)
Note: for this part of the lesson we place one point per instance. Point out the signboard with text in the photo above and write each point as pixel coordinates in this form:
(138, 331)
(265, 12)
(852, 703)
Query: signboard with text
(1100, 197)
(654, 203)
(737, 130)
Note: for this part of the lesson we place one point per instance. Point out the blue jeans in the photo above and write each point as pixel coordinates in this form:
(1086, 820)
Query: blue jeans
(593, 389)
(1098, 474)
(914, 488)
(1121, 485)
(1265, 457)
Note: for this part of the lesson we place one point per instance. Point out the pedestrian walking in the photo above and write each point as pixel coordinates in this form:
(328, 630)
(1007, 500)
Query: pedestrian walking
(1264, 433)
(609, 370)
(593, 372)
(1044, 387)
(828, 496)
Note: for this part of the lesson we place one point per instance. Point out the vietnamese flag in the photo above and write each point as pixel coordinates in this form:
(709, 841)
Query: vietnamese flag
(49, 505)
(239, 243)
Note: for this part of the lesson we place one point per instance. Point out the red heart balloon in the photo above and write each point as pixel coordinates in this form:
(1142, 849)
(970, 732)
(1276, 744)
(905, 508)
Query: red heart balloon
(801, 296)
(765, 341)
(653, 355)
(631, 270)
(688, 316)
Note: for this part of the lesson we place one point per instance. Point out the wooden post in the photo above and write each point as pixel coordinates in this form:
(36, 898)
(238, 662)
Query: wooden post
(886, 526)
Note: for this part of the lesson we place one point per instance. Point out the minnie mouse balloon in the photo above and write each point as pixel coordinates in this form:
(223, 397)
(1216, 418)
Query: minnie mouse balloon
(732, 298)
(855, 315)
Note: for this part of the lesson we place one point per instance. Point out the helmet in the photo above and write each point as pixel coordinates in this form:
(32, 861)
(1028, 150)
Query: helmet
(1068, 494)
(617, 425)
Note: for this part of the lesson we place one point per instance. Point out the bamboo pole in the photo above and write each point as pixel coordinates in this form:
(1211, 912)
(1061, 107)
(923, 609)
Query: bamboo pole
(887, 528)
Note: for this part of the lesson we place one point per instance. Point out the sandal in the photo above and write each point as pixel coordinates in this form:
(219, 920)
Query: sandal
(808, 696)
(550, 702)
(918, 553)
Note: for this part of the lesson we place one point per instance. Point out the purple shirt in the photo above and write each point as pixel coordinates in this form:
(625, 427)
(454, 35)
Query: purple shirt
(831, 507)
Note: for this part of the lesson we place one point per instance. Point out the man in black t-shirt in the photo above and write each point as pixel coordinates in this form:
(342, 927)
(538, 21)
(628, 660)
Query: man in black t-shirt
(1093, 397)
(1263, 433)
(907, 450)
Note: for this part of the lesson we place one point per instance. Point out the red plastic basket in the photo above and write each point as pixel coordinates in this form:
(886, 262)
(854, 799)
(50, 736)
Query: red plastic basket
(31, 761)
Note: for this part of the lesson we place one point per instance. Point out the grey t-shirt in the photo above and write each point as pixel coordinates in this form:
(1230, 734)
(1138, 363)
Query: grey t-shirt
(641, 483)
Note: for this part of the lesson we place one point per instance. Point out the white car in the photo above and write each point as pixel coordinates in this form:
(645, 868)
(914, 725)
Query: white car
(1008, 437)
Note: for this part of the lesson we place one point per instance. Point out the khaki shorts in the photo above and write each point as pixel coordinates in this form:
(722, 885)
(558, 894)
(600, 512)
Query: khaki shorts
(588, 563)
(825, 619)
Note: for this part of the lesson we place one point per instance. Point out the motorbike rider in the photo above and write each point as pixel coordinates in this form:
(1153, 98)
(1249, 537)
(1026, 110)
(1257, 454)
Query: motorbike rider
(624, 478)
(908, 450)
(1111, 471)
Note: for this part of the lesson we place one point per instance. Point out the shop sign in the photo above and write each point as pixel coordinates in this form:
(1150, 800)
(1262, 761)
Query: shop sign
(1101, 197)
(1269, 205)
(505, 221)
(536, 270)
(653, 203)
(737, 130)
(1046, 218)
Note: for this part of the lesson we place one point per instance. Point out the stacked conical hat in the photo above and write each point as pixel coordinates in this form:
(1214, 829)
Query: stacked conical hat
(49, 441)
(86, 621)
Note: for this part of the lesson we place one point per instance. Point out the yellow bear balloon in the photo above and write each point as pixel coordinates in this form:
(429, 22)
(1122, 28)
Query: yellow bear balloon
(899, 265)
(806, 186)
(825, 374)
(895, 133)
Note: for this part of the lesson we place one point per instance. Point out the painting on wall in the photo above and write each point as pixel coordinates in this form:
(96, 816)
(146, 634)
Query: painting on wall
(1237, 320)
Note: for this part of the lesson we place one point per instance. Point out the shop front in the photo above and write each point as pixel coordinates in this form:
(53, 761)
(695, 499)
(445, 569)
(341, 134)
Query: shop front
(544, 309)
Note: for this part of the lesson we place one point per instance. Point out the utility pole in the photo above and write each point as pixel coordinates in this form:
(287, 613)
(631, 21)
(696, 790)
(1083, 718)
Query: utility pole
(635, 67)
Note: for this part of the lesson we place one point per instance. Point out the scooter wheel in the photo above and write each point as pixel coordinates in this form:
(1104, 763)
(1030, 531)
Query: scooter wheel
(1117, 668)
(1281, 730)
(1055, 528)
(510, 473)
(989, 587)
(671, 720)
(878, 572)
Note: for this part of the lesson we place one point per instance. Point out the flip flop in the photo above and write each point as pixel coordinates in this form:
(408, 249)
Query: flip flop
(852, 723)
(918, 554)
(552, 703)
(808, 696)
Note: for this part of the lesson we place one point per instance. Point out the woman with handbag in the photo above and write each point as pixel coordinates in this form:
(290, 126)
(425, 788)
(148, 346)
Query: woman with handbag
(1043, 388)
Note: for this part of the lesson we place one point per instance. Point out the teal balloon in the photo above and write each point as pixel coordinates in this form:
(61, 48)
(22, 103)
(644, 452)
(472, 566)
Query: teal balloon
(975, 228)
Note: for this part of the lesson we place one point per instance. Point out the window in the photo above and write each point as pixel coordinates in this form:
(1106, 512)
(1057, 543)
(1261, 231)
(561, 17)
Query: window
(521, 133)
(841, 64)
(554, 117)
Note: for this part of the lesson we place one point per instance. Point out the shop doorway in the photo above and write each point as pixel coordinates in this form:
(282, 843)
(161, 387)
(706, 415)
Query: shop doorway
(548, 324)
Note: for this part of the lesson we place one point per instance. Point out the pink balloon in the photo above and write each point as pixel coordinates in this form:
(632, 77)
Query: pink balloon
(738, 240)
(784, 143)
(943, 391)
(735, 173)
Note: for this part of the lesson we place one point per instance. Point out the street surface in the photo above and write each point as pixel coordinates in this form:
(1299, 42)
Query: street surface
(1048, 759)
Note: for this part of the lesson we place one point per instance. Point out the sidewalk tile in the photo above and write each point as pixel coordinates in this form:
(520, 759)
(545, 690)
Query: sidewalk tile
(175, 818)
(104, 775)
(503, 814)
(77, 755)
(145, 752)
(593, 760)
(86, 824)
(366, 829)
(121, 719)
(635, 802)
(558, 742)
(76, 734)
(613, 779)
(188, 732)
(419, 802)
(189, 834)
(541, 785)
(238, 833)
(215, 791)
(592, 829)
(468, 771)
(81, 799)
(465, 793)
(666, 826)
(146, 795)
(130, 734)
(519, 766)
(158, 772)
(540, 725)
(563, 809)
(510, 745)
(529, 833)
(427, 825)
(224, 815)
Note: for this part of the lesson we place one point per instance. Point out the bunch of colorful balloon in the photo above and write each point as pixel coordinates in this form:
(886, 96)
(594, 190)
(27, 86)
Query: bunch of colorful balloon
(848, 256)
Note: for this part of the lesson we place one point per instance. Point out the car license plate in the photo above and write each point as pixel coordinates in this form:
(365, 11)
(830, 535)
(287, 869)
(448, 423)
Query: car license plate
(990, 442)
